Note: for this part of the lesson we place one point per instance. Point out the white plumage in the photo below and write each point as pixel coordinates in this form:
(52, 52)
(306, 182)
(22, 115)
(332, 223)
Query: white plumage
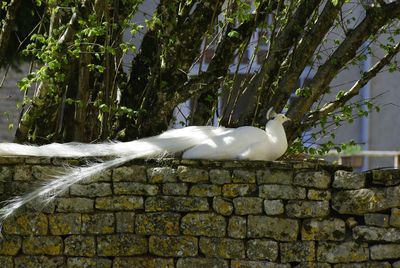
(201, 142)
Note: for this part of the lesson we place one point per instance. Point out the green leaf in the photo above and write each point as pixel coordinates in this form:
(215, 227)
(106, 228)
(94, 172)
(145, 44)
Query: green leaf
(392, 67)
(104, 108)
(335, 2)
(233, 34)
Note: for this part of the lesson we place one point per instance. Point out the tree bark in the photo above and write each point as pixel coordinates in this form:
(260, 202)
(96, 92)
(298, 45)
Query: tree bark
(6, 29)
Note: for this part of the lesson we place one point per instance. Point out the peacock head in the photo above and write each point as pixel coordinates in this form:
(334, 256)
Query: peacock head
(281, 118)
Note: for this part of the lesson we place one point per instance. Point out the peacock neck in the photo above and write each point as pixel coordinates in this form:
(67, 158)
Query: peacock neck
(275, 129)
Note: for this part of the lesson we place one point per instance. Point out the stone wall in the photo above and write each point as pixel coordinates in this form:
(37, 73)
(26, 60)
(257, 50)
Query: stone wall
(205, 214)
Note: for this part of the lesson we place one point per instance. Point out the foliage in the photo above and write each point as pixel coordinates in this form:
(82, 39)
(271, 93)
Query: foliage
(231, 59)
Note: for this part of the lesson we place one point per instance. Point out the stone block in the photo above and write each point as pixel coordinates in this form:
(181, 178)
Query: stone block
(276, 191)
(119, 203)
(91, 190)
(100, 223)
(104, 176)
(173, 246)
(268, 227)
(38, 160)
(369, 264)
(235, 190)
(193, 175)
(158, 223)
(6, 173)
(12, 160)
(225, 248)
(318, 195)
(201, 263)
(256, 264)
(386, 251)
(307, 209)
(273, 207)
(26, 224)
(376, 219)
(204, 224)
(395, 217)
(262, 249)
(161, 175)
(222, 206)
(386, 177)
(205, 190)
(121, 245)
(10, 245)
(329, 229)
(129, 173)
(46, 172)
(135, 188)
(299, 251)
(18, 187)
(80, 245)
(172, 188)
(342, 252)
(125, 222)
(220, 176)
(371, 233)
(313, 265)
(243, 176)
(176, 203)
(313, 179)
(79, 262)
(39, 207)
(6, 262)
(65, 223)
(143, 262)
(76, 204)
(237, 227)
(46, 245)
(39, 261)
(23, 173)
(348, 180)
(351, 222)
(274, 176)
(248, 205)
(362, 201)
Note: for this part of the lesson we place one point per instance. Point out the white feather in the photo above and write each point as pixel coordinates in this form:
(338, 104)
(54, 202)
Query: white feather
(203, 142)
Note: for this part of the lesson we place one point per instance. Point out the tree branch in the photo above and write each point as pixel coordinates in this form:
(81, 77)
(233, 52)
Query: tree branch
(222, 58)
(355, 89)
(303, 53)
(284, 42)
(347, 50)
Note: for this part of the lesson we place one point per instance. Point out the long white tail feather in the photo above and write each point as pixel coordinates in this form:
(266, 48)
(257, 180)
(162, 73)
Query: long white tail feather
(169, 142)
(212, 142)
(174, 140)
